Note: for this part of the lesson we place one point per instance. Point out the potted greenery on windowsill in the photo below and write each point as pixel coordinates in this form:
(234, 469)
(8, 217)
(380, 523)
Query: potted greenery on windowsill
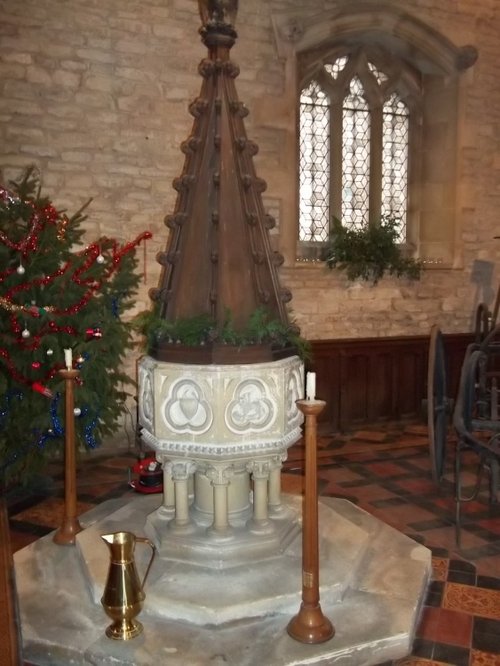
(371, 252)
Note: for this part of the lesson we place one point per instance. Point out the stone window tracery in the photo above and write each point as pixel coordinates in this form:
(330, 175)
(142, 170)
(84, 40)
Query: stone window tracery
(414, 85)
(354, 138)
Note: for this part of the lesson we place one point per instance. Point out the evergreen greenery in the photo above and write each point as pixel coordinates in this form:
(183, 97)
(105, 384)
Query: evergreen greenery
(370, 252)
(203, 329)
(54, 296)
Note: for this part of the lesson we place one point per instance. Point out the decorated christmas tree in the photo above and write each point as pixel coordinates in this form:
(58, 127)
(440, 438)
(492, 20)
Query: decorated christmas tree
(57, 294)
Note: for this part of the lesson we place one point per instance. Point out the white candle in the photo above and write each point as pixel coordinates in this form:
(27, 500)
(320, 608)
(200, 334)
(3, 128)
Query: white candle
(311, 385)
(68, 359)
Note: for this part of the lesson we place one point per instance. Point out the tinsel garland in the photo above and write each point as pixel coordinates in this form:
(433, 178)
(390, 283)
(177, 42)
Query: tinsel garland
(37, 219)
(21, 313)
(55, 432)
(92, 285)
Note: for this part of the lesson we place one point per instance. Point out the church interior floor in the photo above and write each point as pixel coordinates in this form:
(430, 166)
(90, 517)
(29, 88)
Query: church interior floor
(385, 471)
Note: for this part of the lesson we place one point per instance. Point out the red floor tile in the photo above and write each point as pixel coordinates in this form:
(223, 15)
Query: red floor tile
(385, 469)
(492, 524)
(419, 485)
(446, 626)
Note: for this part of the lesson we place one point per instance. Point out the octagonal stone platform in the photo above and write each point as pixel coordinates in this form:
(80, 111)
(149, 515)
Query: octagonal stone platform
(373, 580)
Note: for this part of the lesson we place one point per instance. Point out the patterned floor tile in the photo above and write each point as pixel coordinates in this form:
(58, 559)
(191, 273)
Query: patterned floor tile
(479, 658)
(386, 469)
(98, 491)
(386, 473)
(370, 436)
(473, 600)
(402, 515)
(422, 486)
(343, 475)
(366, 496)
(48, 513)
(446, 537)
(439, 568)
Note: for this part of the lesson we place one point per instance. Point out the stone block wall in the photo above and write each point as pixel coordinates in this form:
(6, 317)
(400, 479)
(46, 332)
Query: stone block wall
(95, 92)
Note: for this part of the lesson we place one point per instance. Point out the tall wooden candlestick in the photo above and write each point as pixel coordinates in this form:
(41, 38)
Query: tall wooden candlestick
(310, 625)
(70, 526)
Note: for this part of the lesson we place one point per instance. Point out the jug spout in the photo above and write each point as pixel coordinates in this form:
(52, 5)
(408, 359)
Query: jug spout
(120, 544)
(108, 538)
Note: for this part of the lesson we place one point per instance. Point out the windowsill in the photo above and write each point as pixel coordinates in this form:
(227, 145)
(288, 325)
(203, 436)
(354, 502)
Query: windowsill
(301, 262)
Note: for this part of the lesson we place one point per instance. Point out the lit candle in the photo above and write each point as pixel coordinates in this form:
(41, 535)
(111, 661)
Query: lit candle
(68, 359)
(311, 386)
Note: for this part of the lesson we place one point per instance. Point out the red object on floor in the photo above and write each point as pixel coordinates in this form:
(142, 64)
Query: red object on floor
(150, 479)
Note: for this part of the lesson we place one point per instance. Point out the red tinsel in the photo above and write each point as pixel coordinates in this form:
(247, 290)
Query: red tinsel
(35, 223)
(29, 244)
(40, 388)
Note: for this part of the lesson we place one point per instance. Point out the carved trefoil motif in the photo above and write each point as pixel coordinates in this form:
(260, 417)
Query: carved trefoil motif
(252, 408)
(186, 409)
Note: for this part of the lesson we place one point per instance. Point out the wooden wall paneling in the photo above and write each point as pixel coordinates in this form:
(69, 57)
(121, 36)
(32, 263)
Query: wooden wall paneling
(371, 380)
(455, 346)
(354, 387)
(326, 365)
(411, 371)
(381, 391)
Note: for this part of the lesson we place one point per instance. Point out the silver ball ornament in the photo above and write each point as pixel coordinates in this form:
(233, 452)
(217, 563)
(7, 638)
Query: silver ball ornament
(77, 411)
(100, 259)
(20, 270)
(49, 352)
(25, 333)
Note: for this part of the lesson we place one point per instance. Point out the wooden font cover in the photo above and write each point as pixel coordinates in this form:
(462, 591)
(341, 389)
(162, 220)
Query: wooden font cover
(218, 258)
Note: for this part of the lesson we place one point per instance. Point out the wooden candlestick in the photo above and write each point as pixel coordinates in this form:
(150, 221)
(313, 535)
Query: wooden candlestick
(70, 526)
(310, 625)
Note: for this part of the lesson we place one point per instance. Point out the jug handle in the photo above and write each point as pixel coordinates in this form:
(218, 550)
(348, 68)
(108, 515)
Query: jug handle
(153, 553)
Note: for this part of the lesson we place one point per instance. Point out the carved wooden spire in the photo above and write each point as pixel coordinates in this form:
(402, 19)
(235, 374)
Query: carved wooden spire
(219, 257)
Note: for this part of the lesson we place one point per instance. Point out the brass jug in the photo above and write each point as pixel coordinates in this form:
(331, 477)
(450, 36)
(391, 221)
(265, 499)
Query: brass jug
(124, 596)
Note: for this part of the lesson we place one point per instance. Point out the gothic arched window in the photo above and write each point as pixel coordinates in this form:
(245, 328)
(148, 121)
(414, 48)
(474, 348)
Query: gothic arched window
(358, 118)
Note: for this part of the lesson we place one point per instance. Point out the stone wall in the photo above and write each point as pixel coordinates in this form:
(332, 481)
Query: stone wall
(95, 93)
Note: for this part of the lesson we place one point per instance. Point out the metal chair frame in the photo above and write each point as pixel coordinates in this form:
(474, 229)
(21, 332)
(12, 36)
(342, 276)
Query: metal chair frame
(476, 421)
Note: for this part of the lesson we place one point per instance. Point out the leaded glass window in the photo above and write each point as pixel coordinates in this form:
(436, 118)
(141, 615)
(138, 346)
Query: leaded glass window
(315, 164)
(355, 126)
(355, 156)
(395, 135)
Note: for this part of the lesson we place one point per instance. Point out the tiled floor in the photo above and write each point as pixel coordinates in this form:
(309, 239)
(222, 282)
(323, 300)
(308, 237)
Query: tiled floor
(386, 471)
